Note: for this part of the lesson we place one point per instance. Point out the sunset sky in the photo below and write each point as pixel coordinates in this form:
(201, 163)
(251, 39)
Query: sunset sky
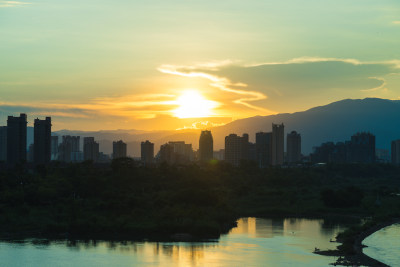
(157, 64)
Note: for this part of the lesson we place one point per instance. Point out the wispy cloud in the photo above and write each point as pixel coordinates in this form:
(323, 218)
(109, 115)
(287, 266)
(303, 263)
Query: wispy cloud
(292, 85)
(378, 88)
(13, 3)
(303, 60)
(144, 106)
(221, 83)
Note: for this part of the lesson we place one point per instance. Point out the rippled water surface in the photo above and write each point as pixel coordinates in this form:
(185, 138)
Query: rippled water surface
(384, 245)
(255, 242)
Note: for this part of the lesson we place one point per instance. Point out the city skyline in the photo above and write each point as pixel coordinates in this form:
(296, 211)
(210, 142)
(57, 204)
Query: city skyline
(158, 65)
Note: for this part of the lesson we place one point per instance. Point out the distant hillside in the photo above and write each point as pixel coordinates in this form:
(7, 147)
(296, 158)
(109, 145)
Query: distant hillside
(334, 122)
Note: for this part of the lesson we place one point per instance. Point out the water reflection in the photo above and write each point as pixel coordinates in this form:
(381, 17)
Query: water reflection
(254, 242)
(384, 245)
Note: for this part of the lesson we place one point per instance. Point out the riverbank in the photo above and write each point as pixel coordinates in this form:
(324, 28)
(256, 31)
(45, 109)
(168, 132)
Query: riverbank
(350, 253)
(125, 201)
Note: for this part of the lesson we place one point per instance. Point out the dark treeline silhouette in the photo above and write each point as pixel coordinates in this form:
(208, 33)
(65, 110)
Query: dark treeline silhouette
(127, 201)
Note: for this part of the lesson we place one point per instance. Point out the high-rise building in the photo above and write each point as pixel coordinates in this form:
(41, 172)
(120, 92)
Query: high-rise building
(176, 152)
(90, 149)
(293, 145)
(16, 139)
(54, 147)
(236, 148)
(147, 152)
(395, 152)
(277, 144)
(363, 148)
(360, 149)
(42, 141)
(206, 147)
(3, 143)
(264, 149)
(68, 150)
(166, 154)
(119, 149)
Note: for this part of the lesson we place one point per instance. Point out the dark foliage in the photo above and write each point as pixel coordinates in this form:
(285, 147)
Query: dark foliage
(127, 201)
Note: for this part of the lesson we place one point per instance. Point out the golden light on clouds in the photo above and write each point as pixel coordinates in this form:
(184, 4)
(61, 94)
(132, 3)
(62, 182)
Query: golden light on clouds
(191, 104)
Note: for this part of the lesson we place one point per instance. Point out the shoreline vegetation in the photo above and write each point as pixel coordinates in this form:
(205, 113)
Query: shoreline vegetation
(350, 252)
(125, 201)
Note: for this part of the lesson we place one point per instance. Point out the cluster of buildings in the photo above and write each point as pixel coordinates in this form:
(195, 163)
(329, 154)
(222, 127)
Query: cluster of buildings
(268, 149)
(45, 147)
(359, 149)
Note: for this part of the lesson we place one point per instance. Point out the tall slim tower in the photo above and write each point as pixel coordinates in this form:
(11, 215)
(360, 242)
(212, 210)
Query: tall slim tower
(277, 144)
(396, 152)
(206, 146)
(16, 139)
(147, 152)
(293, 143)
(119, 149)
(69, 148)
(264, 149)
(42, 141)
(90, 149)
(236, 148)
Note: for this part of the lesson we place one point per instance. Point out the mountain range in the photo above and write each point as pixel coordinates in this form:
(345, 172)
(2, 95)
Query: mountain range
(333, 122)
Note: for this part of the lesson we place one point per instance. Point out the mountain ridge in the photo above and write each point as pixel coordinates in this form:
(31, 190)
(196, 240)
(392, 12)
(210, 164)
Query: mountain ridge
(336, 121)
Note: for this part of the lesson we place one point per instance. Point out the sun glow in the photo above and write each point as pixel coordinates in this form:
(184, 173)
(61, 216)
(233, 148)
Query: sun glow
(193, 105)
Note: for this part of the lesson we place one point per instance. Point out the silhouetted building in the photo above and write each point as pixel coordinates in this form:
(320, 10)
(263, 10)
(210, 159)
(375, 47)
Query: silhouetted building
(206, 147)
(363, 148)
(251, 152)
(68, 150)
(77, 156)
(16, 139)
(147, 152)
(264, 149)
(119, 149)
(54, 147)
(277, 144)
(395, 151)
(360, 149)
(42, 141)
(236, 148)
(176, 152)
(3, 143)
(166, 154)
(293, 144)
(90, 149)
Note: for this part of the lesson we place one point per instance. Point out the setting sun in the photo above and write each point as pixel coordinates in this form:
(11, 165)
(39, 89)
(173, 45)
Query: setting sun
(193, 105)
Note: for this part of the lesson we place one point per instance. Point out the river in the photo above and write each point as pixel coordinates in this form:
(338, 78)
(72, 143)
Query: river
(384, 245)
(254, 242)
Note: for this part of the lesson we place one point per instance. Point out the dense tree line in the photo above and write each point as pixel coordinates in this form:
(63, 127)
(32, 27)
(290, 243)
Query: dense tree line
(127, 201)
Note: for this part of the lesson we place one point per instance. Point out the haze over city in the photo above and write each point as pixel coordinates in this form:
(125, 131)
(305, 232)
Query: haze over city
(165, 65)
